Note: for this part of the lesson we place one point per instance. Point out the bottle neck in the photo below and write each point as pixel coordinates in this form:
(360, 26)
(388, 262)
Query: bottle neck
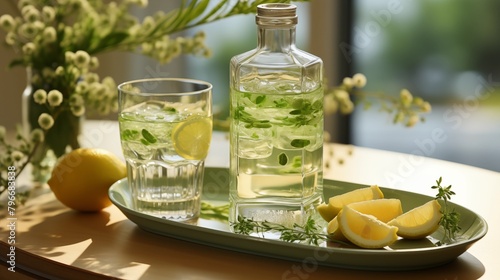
(276, 39)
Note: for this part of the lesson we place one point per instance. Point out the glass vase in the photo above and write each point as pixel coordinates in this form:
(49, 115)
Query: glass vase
(62, 137)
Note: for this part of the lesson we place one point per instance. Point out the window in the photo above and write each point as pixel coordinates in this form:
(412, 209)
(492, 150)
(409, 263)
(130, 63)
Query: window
(445, 51)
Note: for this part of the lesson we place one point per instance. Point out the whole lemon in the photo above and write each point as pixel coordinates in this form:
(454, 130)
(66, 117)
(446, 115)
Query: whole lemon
(82, 177)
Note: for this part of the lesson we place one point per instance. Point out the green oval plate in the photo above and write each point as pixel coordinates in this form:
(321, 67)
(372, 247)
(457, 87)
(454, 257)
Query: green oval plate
(402, 255)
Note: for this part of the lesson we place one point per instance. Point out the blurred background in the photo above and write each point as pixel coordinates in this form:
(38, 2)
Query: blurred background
(446, 51)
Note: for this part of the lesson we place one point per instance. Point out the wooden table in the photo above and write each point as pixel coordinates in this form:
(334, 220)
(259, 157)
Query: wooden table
(55, 242)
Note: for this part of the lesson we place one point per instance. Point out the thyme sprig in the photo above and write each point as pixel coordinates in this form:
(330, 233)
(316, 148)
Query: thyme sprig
(310, 232)
(450, 219)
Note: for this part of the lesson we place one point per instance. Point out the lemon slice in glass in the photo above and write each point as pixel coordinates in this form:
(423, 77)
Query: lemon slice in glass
(364, 230)
(192, 138)
(419, 222)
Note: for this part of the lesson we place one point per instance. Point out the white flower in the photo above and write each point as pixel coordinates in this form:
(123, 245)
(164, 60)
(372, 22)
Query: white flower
(330, 105)
(49, 34)
(146, 48)
(134, 30)
(412, 120)
(40, 96)
(23, 3)
(38, 25)
(109, 83)
(17, 156)
(82, 87)
(359, 80)
(75, 71)
(69, 56)
(59, 71)
(76, 100)
(30, 13)
(37, 135)
(54, 98)
(78, 110)
(91, 78)
(48, 13)
(29, 48)
(7, 22)
(347, 82)
(82, 59)
(27, 30)
(94, 63)
(346, 107)
(148, 23)
(426, 107)
(11, 38)
(45, 121)
(97, 90)
(341, 95)
(406, 97)
(140, 3)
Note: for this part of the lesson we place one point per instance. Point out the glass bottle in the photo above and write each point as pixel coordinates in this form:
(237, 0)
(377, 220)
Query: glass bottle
(276, 132)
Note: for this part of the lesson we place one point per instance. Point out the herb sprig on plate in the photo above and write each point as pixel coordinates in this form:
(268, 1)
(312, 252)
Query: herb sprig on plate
(310, 233)
(451, 219)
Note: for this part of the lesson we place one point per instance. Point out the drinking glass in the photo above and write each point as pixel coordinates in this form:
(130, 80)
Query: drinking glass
(165, 133)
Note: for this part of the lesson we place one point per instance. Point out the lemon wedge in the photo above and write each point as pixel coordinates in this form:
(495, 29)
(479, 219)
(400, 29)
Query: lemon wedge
(418, 222)
(333, 230)
(336, 203)
(364, 230)
(384, 209)
(326, 211)
(192, 138)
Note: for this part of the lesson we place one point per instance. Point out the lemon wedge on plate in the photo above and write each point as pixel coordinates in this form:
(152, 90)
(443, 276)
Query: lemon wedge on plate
(384, 210)
(364, 230)
(418, 222)
(335, 203)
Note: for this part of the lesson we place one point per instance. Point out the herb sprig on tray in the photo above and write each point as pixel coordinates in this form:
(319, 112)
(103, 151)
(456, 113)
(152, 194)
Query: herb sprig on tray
(309, 233)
